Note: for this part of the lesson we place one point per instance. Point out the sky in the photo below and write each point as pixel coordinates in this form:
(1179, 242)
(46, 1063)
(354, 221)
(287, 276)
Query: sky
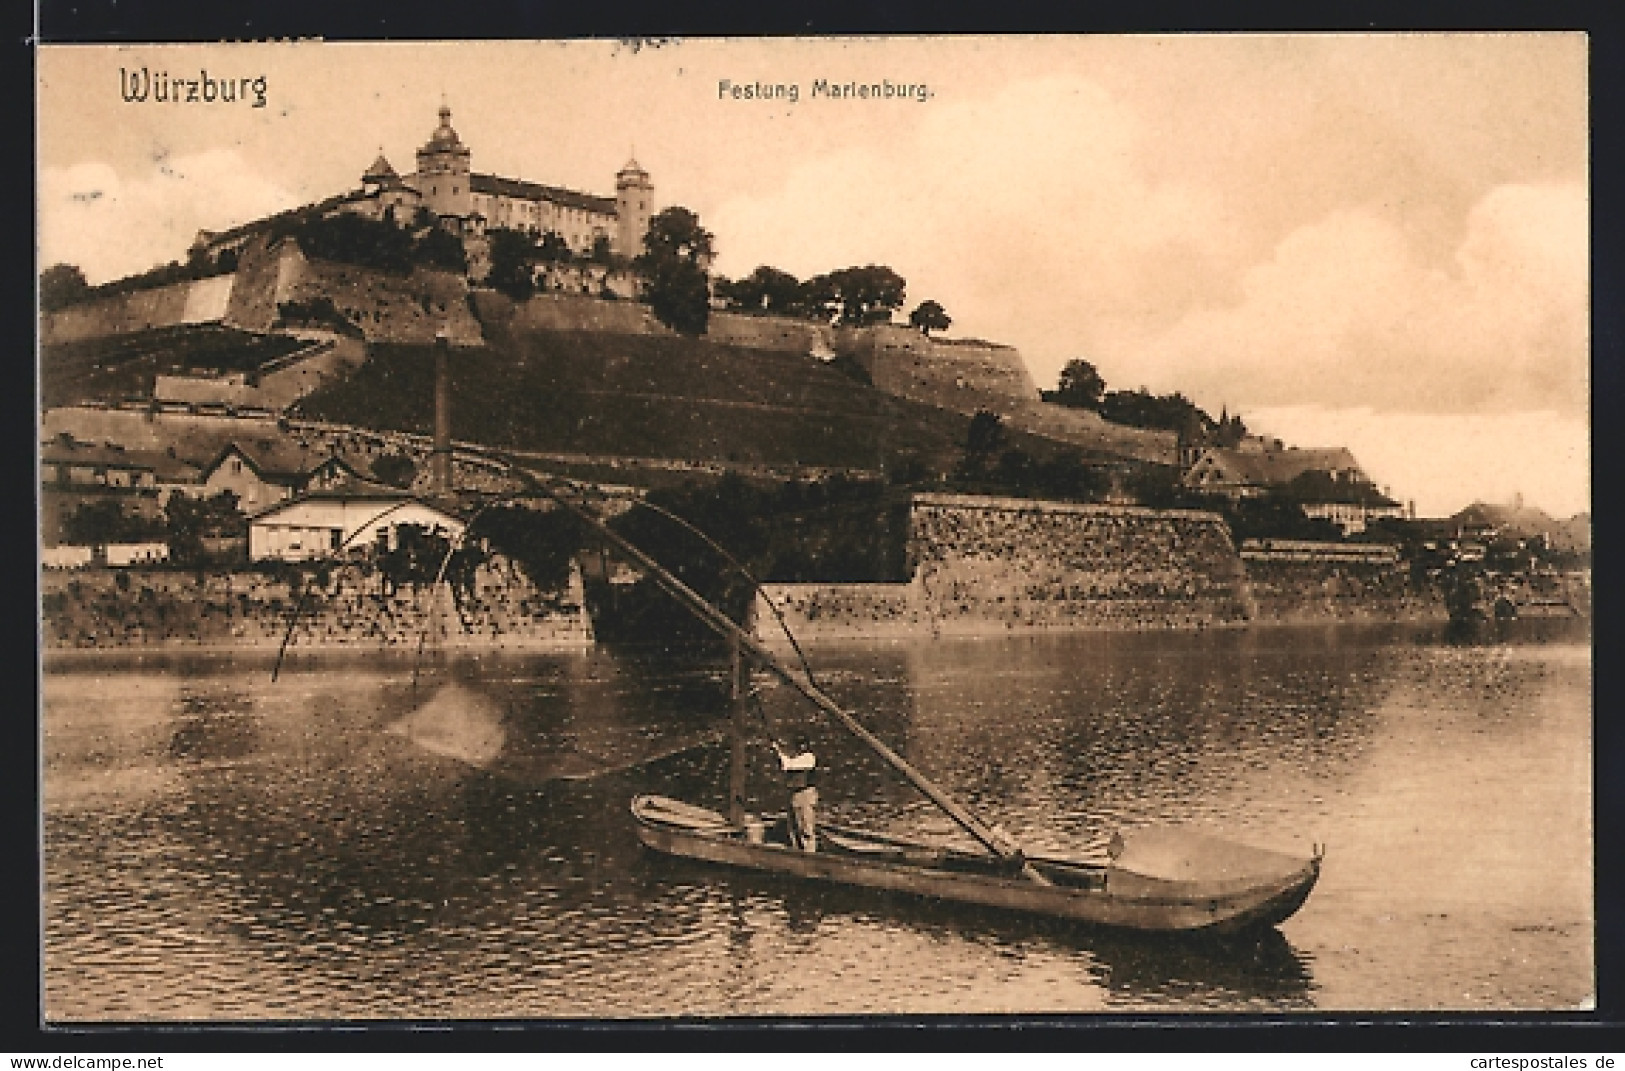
(1378, 241)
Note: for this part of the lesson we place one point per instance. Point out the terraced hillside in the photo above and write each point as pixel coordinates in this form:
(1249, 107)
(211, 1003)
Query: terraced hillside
(622, 395)
(115, 367)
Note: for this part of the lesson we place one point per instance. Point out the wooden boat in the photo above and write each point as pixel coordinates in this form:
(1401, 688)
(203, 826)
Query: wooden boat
(1161, 880)
(1164, 880)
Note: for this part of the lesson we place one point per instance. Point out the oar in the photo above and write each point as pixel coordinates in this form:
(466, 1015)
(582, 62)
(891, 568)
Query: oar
(995, 840)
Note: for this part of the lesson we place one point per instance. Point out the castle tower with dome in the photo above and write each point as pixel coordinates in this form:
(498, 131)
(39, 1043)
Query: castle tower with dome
(442, 177)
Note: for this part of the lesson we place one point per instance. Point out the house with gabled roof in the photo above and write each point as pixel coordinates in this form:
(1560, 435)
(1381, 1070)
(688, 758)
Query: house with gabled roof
(350, 514)
(264, 472)
(1250, 471)
(1327, 482)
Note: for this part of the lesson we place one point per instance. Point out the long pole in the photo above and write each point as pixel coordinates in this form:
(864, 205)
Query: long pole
(740, 682)
(996, 841)
(440, 460)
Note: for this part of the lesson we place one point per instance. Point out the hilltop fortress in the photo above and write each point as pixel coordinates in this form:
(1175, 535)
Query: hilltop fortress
(258, 279)
(469, 203)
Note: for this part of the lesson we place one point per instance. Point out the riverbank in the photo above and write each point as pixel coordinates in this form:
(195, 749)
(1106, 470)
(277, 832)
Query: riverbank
(345, 607)
(353, 609)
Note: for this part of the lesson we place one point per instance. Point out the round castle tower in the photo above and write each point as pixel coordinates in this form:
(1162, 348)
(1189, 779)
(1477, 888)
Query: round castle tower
(443, 171)
(634, 201)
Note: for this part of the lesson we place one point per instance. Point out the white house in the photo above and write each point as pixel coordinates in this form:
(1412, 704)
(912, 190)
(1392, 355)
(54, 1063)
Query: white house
(332, 522)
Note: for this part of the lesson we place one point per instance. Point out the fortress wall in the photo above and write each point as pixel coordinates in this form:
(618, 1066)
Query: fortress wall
(965, 376)
(392, 308)
(355, 609)
(1092, 432)
(198, 301)
(587, 279)
(961, 375)
(576, 312)
(329, 358)
(264, 277)
(781, 333)
(208, 299)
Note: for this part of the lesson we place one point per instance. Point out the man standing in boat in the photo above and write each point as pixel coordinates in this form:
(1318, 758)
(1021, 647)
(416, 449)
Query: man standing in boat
(801, 770)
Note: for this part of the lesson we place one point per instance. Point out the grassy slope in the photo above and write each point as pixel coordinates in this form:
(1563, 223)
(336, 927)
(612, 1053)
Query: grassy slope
(112, 368)
(584, 392)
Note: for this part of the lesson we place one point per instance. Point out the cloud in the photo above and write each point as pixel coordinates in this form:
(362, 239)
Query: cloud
(1037, 217)
(1019, 211)
(113, 225)
(1443, 461)
(1347, 314)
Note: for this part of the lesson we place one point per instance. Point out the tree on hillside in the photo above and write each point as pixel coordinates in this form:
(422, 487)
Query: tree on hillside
(1081, 385)
(675, 234)
(983, 438)
(105, 521)
(440, 249)
(679, 294)
(511, 253)
(764, 290)
(398, 470)
(541, 542)
(553, 249)
(930, 316)
(191, 520)
(676, 262)
(1142, 409)
(352, 239)
(855, 296)
(61, 285)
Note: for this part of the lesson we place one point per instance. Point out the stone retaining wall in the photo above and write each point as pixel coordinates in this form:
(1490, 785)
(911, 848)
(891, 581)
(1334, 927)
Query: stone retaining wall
(1024, 563)
(578, 312)
(981, 565)
(355, 608)
(1296, 591)
(779, 333)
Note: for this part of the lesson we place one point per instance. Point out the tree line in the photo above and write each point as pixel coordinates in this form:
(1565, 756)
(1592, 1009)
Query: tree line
(1081, 386)
(676, 264)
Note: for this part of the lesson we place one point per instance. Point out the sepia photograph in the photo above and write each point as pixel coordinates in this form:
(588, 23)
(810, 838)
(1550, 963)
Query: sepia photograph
(734, 528)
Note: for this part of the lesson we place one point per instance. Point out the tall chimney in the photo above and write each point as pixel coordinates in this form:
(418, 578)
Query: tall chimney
(441, 459)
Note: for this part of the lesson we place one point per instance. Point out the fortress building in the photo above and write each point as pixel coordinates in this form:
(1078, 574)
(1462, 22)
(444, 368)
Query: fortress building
(469, 203)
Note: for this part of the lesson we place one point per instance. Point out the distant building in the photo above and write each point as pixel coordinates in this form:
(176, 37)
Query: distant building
(1251, 471)
(1327, 483)
(68, 464)
(1303, 550)
(76, 474)
(1486, 523)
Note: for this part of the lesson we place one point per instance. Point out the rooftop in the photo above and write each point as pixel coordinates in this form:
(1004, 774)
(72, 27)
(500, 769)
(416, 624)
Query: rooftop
(535, 191)
(1270, 467)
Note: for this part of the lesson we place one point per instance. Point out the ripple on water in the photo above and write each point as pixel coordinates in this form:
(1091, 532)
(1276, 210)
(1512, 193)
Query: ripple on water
(216, 849)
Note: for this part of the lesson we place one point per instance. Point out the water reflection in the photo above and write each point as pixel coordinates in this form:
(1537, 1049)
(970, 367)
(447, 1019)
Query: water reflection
(1260, 971)
(351, 843)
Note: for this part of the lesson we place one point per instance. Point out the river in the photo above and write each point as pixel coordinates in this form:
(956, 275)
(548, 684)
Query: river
(346, 843)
